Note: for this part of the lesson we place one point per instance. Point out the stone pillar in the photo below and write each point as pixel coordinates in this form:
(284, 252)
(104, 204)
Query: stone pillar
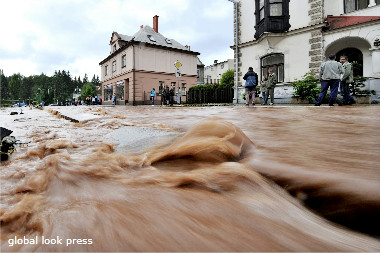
(376, 62)
(316, 12)
(316, 44)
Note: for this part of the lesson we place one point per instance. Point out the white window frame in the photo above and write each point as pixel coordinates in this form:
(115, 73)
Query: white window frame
(124, 61)
(114, 66)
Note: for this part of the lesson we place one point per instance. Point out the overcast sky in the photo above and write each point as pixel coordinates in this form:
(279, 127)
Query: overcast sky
(41, 36)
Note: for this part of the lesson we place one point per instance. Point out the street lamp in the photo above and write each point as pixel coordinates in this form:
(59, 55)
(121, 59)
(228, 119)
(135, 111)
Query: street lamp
(236, 95)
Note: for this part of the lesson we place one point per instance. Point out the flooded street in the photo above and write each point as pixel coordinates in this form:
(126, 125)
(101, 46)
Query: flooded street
(192, 179)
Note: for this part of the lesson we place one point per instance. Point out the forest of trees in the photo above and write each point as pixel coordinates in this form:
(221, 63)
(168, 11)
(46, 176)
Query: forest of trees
(54, 89)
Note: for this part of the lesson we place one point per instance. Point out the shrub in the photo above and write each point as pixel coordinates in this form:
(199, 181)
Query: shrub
(227, 79)
(306, 88)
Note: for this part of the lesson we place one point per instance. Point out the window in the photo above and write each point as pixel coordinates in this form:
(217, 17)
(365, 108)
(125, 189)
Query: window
(222, 66)
(120, 90)
(113, 66)
(377, 1)
(151, 38)
(209, 79)
(123, 61)
(272, 16)
(198, 73)
(274, 62)
(275, 7)
(106, 70)
(353, 5)
(261, 9)
(108, 91)
(183, 89)
(168, 41)
(114, 47)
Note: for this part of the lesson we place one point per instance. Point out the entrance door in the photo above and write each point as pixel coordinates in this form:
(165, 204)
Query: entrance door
(126, 90)
(355, 56)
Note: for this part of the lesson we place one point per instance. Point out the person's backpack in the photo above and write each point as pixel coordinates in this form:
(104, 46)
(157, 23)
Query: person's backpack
(251, 81)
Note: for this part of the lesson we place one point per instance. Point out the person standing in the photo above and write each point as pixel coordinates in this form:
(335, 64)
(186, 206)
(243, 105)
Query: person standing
(114, 99)
(271, 84)
(329, 73)
(263, 89)
(179, 96)
(347, 78)
(171, 98)
(250, 85)
(152, 95)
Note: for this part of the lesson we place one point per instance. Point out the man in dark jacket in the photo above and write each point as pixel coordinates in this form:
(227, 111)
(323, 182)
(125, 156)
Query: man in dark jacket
(250, 85)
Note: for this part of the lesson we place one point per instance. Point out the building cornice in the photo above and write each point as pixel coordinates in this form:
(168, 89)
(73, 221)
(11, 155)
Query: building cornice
(143, 71)
(279, 35)
(117, 52)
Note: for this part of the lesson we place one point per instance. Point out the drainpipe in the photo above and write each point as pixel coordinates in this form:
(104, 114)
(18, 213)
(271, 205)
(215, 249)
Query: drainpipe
(133, 73)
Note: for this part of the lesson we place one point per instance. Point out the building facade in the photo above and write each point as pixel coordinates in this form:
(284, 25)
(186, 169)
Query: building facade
(214, 72)
(144, 61)
(295, 37)
(200, 72)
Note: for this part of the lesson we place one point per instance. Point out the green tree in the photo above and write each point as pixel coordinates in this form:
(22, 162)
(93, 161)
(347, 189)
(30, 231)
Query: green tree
(228, 78)
(85, 78)
(4, 87)
(97, 83)
(88, 90)
(15, 85)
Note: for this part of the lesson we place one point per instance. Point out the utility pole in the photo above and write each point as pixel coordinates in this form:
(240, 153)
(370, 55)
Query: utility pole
(236, 95)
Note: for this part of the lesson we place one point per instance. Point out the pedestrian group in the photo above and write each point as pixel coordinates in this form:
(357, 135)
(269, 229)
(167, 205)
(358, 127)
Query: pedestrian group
(332, 74)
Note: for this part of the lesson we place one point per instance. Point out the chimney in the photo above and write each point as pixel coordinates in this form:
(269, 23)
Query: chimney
(141, 26)
(155, 23)
(215, 61)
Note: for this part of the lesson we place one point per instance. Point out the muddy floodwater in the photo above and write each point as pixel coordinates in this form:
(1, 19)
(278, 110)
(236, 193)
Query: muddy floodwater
(199, 179)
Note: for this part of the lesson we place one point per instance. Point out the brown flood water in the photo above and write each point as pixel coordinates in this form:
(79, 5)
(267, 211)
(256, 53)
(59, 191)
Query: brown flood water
(233, 179)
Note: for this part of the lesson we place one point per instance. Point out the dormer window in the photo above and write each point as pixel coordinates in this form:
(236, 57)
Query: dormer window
(168, 41)
(114, 47)
(151, 38)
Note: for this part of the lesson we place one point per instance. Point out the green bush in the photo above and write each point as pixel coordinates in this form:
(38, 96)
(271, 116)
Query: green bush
(227, 79)
(306, 88)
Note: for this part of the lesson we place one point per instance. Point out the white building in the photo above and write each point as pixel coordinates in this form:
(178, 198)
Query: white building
(214, 72)
(295, 37)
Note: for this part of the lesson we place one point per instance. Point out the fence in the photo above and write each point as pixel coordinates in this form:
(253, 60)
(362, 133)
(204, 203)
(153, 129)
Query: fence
(216, 95)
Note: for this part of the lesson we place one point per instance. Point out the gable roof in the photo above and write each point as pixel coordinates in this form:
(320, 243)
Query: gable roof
(160, 40)
(142, 36)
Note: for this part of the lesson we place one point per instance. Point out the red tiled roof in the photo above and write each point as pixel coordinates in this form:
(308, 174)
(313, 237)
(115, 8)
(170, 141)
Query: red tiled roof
(335, 22)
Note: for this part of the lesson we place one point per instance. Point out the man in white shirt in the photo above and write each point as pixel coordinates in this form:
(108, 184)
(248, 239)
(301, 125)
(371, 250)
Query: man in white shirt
(329, 73)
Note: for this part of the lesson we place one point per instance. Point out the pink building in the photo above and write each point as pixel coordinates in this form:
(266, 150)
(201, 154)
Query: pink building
(144, 61)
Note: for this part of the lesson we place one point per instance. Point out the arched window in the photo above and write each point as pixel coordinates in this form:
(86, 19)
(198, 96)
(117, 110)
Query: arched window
(276, 63)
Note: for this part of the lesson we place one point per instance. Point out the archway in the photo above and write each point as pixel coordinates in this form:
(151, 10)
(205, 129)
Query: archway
(356, 49)
(353, 55)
